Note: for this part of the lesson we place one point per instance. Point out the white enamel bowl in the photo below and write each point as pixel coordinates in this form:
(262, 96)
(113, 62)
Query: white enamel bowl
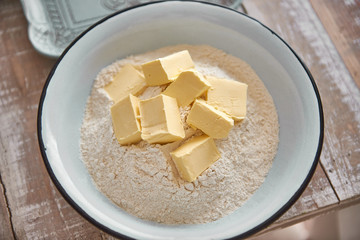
(151, 26)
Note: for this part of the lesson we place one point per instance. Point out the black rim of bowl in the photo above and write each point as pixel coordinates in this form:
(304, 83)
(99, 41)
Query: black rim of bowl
(102, 227)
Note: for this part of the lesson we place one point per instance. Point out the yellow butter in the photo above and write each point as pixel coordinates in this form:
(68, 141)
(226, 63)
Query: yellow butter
(165, 70)
(195, 156)
(187, 86)
(127, 81)
(211, 121)
(160, 120)
(228, 96)
(125, 120)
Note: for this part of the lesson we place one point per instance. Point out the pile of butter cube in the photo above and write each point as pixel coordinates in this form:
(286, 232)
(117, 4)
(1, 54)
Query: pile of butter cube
(215, 104)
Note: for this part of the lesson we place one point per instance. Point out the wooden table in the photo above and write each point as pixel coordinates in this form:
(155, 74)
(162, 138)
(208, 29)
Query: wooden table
(325, 33)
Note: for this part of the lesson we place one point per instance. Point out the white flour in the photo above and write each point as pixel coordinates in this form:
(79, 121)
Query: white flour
(142, 179)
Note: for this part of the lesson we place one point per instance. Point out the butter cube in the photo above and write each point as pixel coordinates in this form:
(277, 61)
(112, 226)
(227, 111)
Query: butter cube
(125, 120)
(165, 70)
(195, 156)
(187, 86)
(127, 81)
(228, 96)
(211, 121)
(160, 120)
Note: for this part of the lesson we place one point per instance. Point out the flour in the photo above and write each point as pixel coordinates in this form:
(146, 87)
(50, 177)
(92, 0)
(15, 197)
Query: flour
(142, 178)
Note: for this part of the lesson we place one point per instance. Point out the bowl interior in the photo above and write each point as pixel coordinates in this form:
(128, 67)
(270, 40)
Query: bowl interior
(152, 26)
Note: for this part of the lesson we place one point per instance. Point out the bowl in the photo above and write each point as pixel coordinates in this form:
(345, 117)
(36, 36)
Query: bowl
(154, 25)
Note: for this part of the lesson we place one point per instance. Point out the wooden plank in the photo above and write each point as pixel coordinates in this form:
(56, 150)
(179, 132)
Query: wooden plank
(297, 23)
(341, 19)
(37, 209)
(6, 231)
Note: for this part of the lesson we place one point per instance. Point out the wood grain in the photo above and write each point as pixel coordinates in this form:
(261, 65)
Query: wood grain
(341, 20)
(6, 231)
(298, 24)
